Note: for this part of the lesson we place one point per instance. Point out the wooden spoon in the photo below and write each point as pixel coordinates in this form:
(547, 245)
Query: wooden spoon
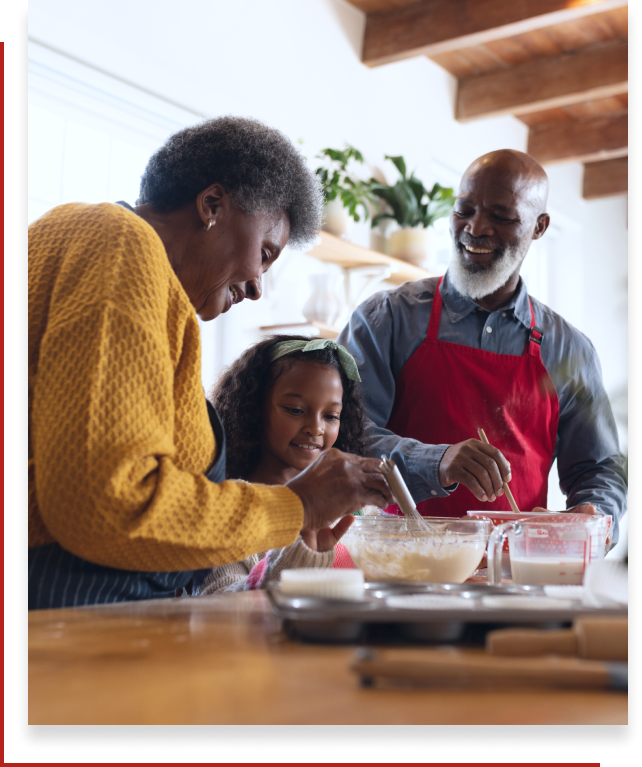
(509, 495)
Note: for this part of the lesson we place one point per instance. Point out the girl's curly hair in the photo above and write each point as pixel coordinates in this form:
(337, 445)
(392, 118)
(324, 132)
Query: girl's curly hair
(239, 396)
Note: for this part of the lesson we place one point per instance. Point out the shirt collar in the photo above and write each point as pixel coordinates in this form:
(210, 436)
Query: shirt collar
(459, 306)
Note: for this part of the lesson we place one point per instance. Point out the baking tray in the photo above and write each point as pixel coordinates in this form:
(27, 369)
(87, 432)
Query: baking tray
(374, 619)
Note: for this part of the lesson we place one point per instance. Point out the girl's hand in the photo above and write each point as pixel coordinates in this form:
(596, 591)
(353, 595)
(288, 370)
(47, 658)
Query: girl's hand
(327, 538)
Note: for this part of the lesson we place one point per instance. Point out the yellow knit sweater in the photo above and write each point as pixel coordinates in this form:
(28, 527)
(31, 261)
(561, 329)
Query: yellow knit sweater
(119, 437)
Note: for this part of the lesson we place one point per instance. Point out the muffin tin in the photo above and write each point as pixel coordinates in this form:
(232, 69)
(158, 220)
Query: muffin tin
(388, 612)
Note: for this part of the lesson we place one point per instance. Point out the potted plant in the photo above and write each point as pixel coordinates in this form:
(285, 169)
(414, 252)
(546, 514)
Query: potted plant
(344, 193)
(415, 208)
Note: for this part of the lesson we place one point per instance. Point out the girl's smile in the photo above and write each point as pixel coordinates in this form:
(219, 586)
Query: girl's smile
(302, 415)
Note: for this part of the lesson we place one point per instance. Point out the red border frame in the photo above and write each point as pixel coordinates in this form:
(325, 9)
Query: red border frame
(8, 353)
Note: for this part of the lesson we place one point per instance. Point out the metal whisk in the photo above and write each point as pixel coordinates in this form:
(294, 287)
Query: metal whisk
(401, 493)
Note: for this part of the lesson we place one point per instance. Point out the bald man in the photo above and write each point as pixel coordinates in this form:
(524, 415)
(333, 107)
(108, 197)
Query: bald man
(440, 358)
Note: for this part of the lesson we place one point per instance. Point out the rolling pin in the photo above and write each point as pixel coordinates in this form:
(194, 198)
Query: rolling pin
(435, 668)
(590, 638)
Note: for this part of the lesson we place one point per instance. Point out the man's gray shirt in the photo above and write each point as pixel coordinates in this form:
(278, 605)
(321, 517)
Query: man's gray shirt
(386, 330)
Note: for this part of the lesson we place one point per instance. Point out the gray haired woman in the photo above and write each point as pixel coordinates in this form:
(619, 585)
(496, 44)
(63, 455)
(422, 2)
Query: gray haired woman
(127, 496)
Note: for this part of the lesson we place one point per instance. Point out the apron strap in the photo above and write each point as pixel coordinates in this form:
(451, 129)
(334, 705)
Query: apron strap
(435, 313)
(535, 336)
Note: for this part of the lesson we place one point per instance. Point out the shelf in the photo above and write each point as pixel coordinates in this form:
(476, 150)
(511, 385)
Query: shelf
(299, 328)
(348, 255)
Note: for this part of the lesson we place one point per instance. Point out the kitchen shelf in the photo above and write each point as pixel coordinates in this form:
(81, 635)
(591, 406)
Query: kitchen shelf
(348, 255)
(299, 328)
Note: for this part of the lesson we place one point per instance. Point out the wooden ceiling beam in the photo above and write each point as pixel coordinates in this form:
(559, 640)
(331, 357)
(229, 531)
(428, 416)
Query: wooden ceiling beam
(432, 27)
(606, 179)
(557, 81)
(598, 138)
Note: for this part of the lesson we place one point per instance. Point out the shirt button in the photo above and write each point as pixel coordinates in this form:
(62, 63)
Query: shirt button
(433, 492)
(489, 330)
(503, 314)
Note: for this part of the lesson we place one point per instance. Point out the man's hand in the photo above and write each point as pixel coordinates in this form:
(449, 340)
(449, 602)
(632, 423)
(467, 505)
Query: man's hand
(328, 537)
(337, 484)
(479, 467)
(582, 508)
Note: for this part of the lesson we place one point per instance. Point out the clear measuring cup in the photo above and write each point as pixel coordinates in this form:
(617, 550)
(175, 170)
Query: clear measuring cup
(548, 549)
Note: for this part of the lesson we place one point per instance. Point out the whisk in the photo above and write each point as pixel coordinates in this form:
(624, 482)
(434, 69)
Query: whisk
(401, 493)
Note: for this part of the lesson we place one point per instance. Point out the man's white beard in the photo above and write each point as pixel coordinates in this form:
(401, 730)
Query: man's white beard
(485, 280)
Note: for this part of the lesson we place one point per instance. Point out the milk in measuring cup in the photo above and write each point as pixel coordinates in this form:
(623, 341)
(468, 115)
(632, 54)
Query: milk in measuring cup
(540, 571)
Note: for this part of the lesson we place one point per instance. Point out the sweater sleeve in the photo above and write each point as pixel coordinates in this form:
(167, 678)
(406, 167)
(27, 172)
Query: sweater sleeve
(119, 467)
(235, 577)
(231, 577)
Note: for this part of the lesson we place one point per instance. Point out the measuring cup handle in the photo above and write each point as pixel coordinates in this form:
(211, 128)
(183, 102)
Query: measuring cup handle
(495, 546)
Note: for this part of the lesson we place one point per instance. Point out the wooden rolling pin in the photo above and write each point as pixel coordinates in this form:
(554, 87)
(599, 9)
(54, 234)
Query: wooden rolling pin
(435, 668)
(590, 638)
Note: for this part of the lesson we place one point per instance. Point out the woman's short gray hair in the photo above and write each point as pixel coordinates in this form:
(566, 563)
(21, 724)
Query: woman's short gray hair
(259, 167)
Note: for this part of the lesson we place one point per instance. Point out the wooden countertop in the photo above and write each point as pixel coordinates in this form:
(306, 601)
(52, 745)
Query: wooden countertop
(223, 660)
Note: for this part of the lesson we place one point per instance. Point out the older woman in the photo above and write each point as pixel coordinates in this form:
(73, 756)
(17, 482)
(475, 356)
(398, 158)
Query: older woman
(126, 458)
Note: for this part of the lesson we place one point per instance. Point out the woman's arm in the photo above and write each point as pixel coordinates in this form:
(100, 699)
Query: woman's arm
(118, 423)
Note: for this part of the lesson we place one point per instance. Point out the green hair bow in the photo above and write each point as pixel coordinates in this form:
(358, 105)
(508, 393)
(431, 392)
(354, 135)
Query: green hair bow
(346, 360)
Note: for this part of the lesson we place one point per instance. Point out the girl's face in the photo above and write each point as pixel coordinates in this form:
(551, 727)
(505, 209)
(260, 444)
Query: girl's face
(301, 416)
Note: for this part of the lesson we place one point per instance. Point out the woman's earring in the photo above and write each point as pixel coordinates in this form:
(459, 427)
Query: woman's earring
(209, 225)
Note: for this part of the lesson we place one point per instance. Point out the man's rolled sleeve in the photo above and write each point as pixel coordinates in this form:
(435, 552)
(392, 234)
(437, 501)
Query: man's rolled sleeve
(418, 463)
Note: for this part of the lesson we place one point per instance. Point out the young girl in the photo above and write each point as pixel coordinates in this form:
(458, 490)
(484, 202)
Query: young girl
(284, 401)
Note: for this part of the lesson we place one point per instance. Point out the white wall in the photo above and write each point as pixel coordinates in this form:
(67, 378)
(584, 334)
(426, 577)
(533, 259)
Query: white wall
(295, 65)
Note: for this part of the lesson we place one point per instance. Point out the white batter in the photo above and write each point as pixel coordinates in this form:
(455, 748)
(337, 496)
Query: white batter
(420, 559)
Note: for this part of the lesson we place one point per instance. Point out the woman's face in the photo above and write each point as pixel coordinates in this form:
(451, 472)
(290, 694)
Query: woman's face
(301, 416)
(222, 266)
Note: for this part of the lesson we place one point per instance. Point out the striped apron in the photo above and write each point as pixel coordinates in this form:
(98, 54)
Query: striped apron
(58, 578)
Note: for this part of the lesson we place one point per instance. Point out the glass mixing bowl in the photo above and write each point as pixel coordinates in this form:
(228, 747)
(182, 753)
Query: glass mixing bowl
(392, 548)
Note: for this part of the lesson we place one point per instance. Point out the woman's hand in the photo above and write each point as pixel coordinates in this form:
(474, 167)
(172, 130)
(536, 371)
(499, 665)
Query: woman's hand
(328, 537)
(337, 484)
(479, 467)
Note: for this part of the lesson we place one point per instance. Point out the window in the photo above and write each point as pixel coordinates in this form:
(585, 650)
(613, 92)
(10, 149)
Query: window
(90, 134)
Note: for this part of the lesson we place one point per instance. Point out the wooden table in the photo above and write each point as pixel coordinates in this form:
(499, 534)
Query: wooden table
(224, 660)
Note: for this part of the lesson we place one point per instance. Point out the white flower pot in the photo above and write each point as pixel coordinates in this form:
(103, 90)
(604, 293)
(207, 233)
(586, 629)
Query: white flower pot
(337, 220)
(324, 304)
(379, 236)
(409, 244)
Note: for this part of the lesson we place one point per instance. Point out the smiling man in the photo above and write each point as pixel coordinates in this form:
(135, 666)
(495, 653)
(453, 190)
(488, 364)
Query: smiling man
(440, 358)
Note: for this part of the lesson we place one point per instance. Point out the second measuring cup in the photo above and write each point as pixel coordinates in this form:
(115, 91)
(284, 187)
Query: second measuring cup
(551, 549)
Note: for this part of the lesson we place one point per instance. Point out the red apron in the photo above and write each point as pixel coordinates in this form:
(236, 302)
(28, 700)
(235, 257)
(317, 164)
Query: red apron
(446, 391)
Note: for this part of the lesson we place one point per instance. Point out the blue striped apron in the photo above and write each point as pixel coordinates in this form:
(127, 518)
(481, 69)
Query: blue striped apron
(58, 578)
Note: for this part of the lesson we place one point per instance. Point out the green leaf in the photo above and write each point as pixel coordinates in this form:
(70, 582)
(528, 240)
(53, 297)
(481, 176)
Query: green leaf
(417, 187)
(380, 217)
(388, 195)
(355, 154)
(399, 163)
